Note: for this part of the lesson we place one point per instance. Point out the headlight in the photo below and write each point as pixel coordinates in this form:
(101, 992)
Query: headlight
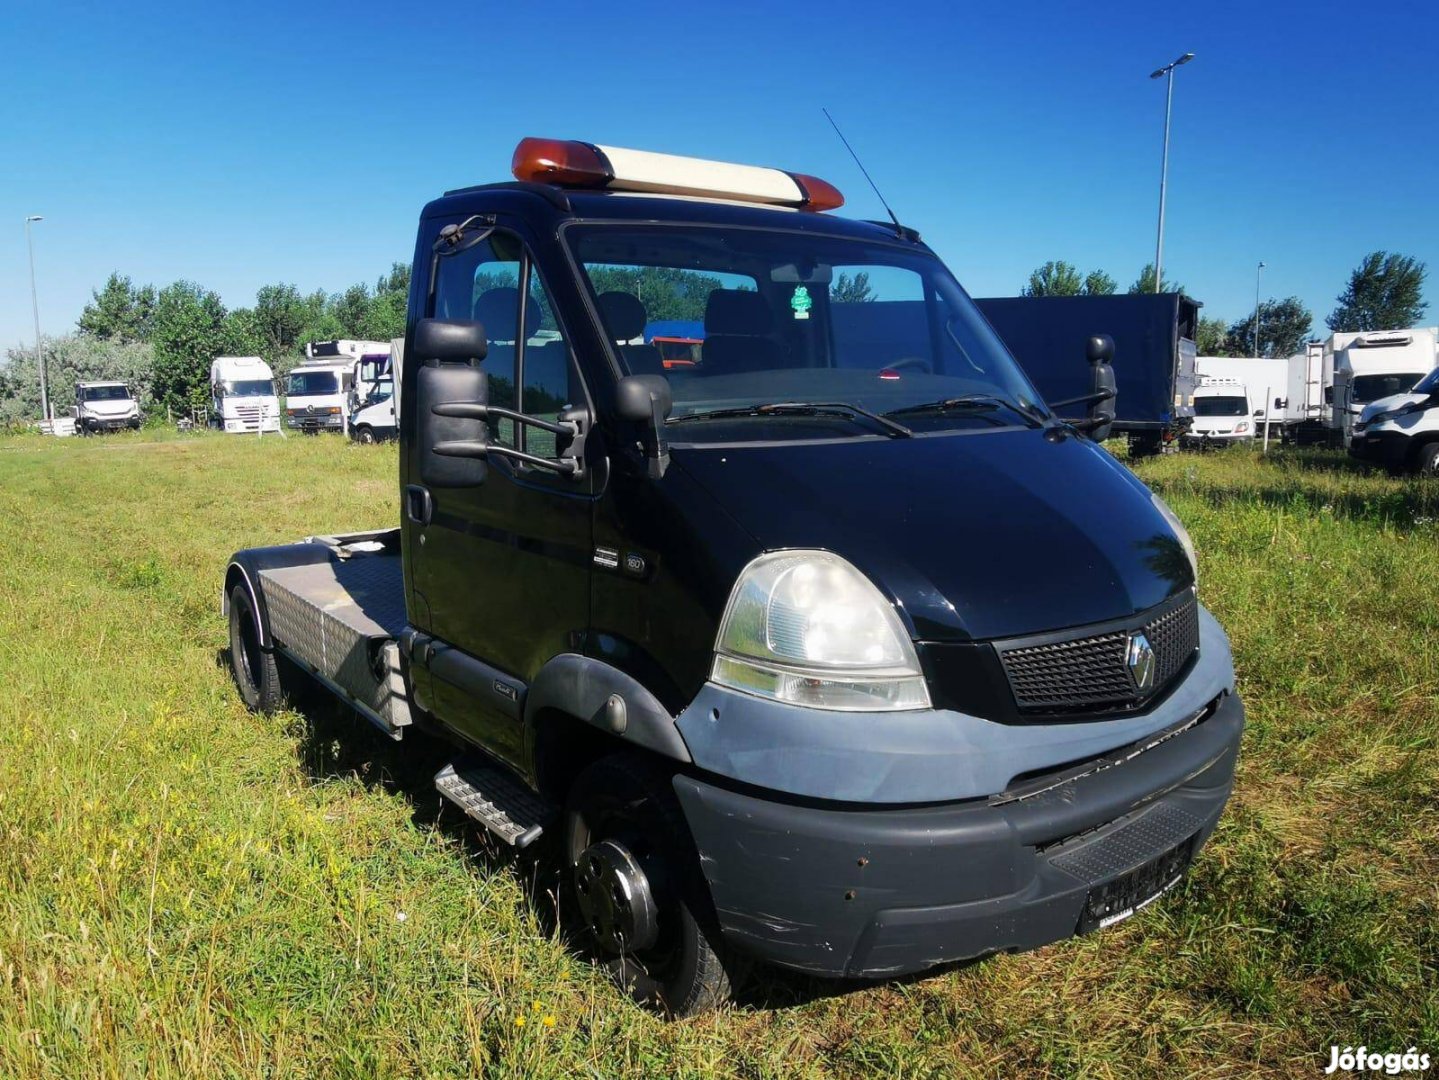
(1180, 531)
(1241, 427)
(807, 628)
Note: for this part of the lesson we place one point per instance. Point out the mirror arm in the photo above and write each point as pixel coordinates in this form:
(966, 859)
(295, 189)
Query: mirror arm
(1086, 399)
(467, 449)
(465, 410)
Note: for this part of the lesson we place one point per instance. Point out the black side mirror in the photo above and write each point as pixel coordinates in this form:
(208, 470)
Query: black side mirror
(450, 340)
(437, 386)
(1100, 352)
(648, 400)
(1258, 412)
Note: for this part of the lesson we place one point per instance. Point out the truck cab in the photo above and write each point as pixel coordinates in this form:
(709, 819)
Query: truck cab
(1401, 432)
(1223, 413)
(836, 648)
(373, 415)
(1370, 366)
(317, 395)
(242, 395)
(104, 406)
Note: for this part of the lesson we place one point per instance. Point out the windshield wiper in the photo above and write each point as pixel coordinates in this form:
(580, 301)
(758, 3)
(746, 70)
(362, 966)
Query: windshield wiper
(972, 401)
(893, 428)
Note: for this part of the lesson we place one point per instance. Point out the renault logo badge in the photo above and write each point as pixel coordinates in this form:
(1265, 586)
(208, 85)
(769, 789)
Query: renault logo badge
(1140, 659)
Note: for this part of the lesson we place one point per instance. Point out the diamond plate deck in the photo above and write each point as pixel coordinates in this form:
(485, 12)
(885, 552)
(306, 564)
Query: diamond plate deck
(341, 618)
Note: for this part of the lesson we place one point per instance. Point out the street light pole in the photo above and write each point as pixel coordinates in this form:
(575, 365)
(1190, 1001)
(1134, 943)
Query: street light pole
(35, 309)
(1257, 317)
(1166, 71)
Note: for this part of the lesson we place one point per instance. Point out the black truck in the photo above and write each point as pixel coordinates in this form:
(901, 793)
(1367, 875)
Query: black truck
(836, 646)
(1154, 350)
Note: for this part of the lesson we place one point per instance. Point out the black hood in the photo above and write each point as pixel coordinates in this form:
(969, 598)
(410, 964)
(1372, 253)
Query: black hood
(974, 536)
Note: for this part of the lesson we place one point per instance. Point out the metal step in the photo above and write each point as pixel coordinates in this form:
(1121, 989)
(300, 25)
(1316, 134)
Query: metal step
(497, 799)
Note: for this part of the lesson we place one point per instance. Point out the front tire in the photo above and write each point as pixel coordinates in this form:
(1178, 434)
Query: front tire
(256, 671)
(631, 868)
(1427, 464)
(365, 436)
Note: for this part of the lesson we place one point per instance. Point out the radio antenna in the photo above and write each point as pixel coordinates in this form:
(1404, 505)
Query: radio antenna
(862, 169)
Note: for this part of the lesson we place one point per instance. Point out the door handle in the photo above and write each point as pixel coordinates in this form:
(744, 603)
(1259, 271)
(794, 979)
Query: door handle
(419, 506)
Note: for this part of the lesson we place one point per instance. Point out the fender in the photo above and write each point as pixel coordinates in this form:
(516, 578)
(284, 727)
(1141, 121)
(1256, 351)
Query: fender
(582, 687)
(245, 567)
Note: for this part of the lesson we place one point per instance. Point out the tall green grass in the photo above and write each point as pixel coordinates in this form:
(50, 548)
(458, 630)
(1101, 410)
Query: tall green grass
(190, 890)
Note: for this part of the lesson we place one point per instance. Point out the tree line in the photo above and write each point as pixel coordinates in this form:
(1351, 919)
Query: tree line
(1385, 292)
(161, 341)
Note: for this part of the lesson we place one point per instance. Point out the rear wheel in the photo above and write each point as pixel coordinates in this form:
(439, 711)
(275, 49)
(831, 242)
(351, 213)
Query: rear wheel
(634, 878)
(257, 674)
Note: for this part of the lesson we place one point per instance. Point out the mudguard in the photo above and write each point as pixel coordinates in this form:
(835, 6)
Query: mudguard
(583, 686)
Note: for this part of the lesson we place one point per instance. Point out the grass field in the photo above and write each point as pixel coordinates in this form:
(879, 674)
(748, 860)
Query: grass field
(190, 890)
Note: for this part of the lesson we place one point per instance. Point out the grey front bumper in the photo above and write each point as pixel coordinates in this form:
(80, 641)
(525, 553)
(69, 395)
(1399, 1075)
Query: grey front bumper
(872, 891)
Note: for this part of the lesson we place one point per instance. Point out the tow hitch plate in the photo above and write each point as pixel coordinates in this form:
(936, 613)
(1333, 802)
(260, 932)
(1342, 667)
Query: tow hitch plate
(1117, 900)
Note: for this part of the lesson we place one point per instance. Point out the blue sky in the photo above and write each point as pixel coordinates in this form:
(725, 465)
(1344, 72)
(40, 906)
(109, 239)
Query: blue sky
(237, 145)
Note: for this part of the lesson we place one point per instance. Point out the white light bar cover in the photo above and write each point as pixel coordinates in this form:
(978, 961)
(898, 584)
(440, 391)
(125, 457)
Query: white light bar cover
(670, 174)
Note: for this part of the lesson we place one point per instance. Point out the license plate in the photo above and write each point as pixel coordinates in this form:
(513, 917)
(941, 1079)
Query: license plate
(1117, 900)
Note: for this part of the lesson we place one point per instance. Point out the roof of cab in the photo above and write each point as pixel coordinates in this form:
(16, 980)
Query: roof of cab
(559, 205)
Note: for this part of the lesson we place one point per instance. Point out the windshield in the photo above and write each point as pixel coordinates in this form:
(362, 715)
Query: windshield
(738, 318)
(1429, 384)
(105, 393)
(250, 387)
(1373, 387)
(1220, 406)
(309, 383)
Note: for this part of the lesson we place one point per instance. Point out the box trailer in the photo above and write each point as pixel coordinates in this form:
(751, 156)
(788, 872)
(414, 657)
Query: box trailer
(1154, 352)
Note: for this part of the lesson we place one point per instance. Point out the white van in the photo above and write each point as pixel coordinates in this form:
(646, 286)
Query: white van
(1223, 413)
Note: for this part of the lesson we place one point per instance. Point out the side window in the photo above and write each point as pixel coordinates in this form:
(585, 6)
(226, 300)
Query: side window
(549, 380)
(482, 281)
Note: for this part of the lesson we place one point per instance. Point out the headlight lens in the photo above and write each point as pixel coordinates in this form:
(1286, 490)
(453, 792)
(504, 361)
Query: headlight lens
(1180, 531)
(807, 628)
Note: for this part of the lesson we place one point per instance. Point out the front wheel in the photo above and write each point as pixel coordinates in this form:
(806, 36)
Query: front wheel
(634, 877)
(1428, 462)
(365, 435)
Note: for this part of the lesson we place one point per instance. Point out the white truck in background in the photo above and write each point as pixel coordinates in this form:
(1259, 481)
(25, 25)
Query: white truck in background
(1401, 432)
(374, 398)
(1373, 365)
(328, 385)
(1224, 413)
(1278, 393)
(104, 406)
(242, 395)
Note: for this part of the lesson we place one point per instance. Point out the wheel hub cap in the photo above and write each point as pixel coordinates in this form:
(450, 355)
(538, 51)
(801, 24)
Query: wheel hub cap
(615, 898)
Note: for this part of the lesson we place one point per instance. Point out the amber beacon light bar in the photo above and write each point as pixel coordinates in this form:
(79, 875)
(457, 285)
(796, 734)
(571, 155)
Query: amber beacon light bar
(574, 164)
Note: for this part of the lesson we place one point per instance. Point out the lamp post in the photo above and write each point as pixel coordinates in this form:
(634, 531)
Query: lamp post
(35, 309)
(1167, 70)
(1257, 316)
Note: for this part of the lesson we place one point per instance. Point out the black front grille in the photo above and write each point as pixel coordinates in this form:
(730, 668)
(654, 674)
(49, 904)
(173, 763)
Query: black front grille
(1087, 670)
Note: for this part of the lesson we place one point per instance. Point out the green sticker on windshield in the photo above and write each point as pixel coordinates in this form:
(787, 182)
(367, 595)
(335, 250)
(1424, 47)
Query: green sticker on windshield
(801, 301)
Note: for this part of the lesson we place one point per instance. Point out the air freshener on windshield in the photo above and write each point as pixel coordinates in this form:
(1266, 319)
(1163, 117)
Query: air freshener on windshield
(801, 302)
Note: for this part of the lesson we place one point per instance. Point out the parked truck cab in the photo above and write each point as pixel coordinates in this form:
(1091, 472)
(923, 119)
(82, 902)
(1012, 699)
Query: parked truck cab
(1371, 366)
(242, 395)
(105, 406)
(1224, 413)
(836, 648)
(1401, 432)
